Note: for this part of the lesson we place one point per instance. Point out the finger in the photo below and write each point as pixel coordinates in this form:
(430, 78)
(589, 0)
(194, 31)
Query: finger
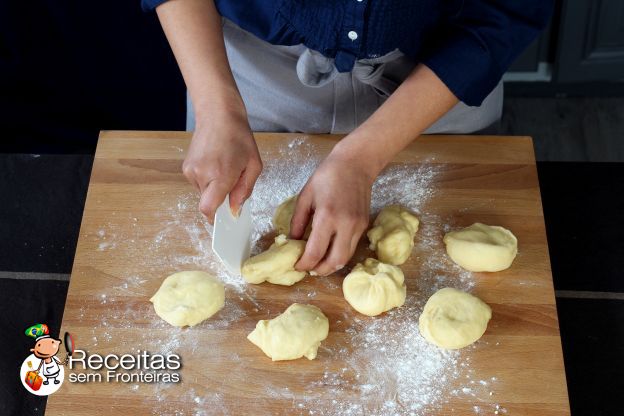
(360, 228)
(301, 217)
(244, 186)
(190, 176)
(212, 197)
(340, 252)
(316, 246)
(354, 242)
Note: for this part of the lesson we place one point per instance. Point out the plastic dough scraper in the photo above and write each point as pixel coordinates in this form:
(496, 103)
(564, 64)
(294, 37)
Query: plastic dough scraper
(231, 236)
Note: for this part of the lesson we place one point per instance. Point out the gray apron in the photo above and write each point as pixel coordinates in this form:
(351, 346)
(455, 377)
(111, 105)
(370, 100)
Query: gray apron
(296, 89)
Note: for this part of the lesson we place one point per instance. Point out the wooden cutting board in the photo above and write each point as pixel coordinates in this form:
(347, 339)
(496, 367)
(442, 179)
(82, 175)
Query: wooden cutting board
(141, 224)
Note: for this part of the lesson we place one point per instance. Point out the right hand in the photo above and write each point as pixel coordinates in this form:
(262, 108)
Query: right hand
(222, 159)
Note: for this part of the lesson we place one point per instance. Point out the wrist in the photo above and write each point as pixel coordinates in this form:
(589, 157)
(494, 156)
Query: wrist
(222, 104)
(356, 155)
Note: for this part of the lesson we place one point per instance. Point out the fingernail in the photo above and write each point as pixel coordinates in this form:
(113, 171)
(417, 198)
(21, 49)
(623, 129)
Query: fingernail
(340, 266)
(313, 273)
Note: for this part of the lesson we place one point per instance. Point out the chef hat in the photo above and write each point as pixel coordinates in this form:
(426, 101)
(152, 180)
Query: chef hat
(38, 331)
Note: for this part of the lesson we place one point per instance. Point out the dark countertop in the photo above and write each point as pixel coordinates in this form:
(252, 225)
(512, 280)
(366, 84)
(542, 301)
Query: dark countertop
(584, 213)
(583, 207)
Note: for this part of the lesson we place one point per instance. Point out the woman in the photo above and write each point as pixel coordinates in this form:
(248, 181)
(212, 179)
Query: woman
(383, 71)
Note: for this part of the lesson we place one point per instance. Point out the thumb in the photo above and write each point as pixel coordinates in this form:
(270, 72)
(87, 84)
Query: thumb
(243, 187)
(301, 216)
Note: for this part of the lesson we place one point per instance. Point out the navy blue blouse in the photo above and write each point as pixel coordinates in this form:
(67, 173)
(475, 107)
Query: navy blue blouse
(469, 44)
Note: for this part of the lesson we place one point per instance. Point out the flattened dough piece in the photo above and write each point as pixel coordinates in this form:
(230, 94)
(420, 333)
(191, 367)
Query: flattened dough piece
(296, 333)
(374, 287)
(392, 235)
(283, 215)
(482, 248)
(277, 264)
(453, 319)
(188, 298)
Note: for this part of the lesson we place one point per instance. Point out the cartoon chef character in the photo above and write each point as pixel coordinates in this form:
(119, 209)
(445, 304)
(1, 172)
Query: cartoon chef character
(45, 349)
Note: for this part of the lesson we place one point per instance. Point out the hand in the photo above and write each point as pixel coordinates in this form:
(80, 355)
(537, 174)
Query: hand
(222, 158)
(337, 197)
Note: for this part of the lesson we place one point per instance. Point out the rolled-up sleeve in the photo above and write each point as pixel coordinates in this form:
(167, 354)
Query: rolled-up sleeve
(477, 45)
(149, 5)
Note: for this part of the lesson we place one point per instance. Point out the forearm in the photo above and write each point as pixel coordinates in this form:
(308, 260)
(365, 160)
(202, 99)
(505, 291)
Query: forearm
(418, 102)
(193, 29)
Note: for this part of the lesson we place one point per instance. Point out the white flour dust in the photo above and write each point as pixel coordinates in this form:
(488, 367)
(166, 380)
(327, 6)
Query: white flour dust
(389, 369)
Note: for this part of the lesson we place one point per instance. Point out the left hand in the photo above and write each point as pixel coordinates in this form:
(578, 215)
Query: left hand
(337, 198)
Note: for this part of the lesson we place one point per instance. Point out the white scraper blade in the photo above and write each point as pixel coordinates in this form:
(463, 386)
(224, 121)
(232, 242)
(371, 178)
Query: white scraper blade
(231, 236)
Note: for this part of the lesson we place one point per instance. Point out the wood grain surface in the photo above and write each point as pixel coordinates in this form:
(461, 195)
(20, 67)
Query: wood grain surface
(137, 191)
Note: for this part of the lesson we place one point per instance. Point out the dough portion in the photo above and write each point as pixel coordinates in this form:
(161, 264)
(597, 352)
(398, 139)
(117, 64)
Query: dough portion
(482, 248)
(277, 264)
(296, 333)
(453, 319)
(188, 298)
(374, 287)
(283, 215)
(392, 235)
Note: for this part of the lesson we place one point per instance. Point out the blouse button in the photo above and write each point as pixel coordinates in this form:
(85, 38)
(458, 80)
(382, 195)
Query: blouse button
(352, 35)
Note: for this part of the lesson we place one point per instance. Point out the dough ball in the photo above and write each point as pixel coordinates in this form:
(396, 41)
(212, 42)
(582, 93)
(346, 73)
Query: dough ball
(453, 319)
(482, 248)
(296, 333)
(188, 298)
(392, 235)
(277, 264)
(374, 287)
(283, 215)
